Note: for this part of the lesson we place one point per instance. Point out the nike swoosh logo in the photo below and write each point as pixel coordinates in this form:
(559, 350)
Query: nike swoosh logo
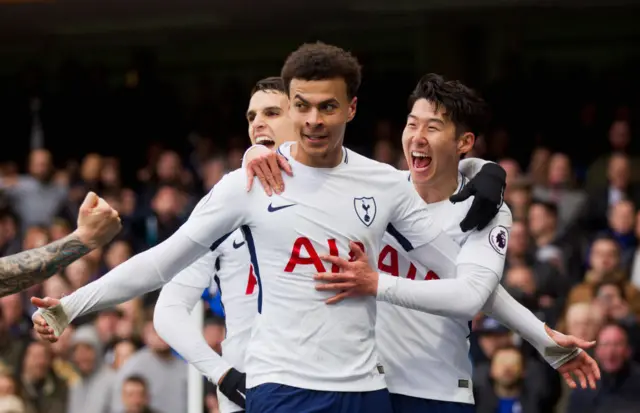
(278, 208)
(242, 395)
(236, 246)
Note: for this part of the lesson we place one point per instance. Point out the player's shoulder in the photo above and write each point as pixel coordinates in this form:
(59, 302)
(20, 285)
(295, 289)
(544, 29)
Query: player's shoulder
(371, 166)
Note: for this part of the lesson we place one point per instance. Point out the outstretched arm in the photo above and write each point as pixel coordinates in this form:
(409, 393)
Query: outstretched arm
(211, 221)
(20, 271)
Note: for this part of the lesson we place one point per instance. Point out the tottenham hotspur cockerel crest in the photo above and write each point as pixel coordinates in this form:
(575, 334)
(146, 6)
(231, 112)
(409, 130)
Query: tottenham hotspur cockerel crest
(499, 238)
(365, 209)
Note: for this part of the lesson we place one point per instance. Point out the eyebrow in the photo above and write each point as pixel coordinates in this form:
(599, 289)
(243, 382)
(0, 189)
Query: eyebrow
(324, 102)
(253, 112)
(427, 120)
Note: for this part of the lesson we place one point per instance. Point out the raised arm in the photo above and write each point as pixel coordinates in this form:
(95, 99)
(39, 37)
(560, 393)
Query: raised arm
(98, 223)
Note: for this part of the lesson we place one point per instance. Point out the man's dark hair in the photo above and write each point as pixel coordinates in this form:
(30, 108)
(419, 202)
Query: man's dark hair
(462, 105)
(550, 207)
(321, 61)
(606, 237)
(268, 84)
(137, 379)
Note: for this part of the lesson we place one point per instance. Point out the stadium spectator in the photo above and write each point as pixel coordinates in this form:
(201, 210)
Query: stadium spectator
(135, 395)
(561, 190)
(604, 260)
(165, 375)
(35, 197)
(44, 392)
(506, 389)
(619, 389)
(619, 142)
(93, 392)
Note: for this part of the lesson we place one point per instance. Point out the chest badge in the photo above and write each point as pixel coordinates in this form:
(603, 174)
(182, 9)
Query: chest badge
(365, 209)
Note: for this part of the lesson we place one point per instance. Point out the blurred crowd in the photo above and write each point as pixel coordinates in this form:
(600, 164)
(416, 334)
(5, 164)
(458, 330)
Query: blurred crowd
(572, 256)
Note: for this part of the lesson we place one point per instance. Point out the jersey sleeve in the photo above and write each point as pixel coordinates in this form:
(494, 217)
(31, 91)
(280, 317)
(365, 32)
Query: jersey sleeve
(173, 323)
(475, 279)
(509, 312)
(487, 248)
(200, 273)
(220, 212)
(216, 215)
(471, 166)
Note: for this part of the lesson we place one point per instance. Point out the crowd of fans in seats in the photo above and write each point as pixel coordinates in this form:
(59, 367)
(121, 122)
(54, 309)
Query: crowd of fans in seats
(573, 259)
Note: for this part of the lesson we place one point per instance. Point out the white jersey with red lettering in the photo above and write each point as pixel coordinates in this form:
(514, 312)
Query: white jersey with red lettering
(297, 339)
(425, 355)
(227, 269)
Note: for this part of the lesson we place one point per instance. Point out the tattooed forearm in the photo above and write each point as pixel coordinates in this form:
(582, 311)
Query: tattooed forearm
(20, 271)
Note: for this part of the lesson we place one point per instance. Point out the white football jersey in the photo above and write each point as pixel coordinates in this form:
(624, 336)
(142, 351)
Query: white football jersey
(424, 355)
(227, 269)
(297, 339)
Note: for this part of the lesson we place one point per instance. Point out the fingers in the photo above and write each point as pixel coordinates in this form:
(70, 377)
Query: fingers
(580, 343)
(257, 169)
(465, 193)
(340, 262)
(284, 164)
(333, 276)
(357, 252)
(90, 201)
(276, 173)
(484, 216)
(337, 298)
(40, 302)
(581, 377)
(590, 374)
(249, 179)
(41, 327)
(468, 223)
(567, 378)
(271, 180)
(337, 286)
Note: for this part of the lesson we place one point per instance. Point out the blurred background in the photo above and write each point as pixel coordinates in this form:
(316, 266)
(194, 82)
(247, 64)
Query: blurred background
(143, 101)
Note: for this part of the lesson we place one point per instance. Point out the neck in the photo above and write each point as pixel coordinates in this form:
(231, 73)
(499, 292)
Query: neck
(330, 159)
(438, 191)
(507, 391)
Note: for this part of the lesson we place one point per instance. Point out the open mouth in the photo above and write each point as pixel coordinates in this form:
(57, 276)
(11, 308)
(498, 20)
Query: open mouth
(266, 141)
(420, 161)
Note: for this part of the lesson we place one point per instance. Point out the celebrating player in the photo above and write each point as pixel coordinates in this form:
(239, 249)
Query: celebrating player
(304, 354)
(98, 223)
(269, 125)
(425, 356)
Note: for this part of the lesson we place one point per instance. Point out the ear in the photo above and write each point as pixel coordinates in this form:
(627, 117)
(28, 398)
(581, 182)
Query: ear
(352, 109)
(466, 142)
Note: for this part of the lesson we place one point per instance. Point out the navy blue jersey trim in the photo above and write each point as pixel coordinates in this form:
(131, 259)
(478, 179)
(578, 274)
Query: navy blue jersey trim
(404, 242)
(219, 241)
(254, 260)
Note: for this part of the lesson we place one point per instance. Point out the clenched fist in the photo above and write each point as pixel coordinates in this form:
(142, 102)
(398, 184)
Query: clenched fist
(98, 222)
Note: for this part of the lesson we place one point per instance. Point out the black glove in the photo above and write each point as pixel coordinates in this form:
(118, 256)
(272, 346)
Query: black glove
(487, 188)
(234, 386)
